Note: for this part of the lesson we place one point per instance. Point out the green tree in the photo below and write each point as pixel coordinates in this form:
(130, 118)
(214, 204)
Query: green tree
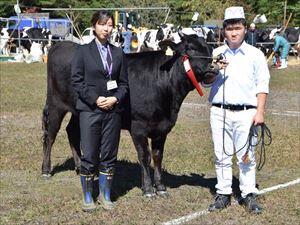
(181, 10)
(274, 10)
(210, 9)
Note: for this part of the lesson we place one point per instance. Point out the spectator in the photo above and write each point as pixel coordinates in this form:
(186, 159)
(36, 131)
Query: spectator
(127, 34)
(280, 45)
(251, 35)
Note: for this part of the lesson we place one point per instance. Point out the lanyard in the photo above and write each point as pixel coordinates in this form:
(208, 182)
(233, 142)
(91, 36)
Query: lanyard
(104, 60)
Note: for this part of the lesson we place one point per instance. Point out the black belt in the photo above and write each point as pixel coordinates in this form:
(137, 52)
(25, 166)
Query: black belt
(234, 107)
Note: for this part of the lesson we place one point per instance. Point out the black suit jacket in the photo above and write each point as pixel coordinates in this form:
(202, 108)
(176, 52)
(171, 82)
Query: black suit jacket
(89, 77)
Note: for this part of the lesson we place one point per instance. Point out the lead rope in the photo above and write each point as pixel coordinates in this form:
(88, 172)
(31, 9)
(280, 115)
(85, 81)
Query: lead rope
(261, 136)
(253, 133)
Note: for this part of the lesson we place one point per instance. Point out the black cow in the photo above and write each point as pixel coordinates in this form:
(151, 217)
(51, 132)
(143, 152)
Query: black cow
(292, 34)
(215, 37)
(263, 41)
(158, 85)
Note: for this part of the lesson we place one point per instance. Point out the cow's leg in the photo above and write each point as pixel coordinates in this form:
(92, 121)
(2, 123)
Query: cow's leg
(297, 47)
(51, 122)
(73, 132)
(157, 155)
(141, 145)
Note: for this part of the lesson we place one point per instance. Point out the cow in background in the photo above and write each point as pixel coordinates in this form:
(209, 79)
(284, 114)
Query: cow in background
(116, 37)
(158, 85)
(200, 31)
(3, 41)
(215, 37)
(9, 39)
(148, 40)
(38, 35)
(263, 41)
(293, 36)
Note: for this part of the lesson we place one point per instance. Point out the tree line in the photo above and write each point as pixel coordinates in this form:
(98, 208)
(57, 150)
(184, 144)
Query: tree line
(180, 14)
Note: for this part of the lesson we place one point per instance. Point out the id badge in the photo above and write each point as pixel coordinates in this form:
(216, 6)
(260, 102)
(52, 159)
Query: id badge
(111, 84)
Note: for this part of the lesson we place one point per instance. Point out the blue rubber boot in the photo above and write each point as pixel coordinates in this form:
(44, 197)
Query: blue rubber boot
(105, 182)
(87, 188)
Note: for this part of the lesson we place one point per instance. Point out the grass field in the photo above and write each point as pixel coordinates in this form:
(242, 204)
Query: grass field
(188, 162)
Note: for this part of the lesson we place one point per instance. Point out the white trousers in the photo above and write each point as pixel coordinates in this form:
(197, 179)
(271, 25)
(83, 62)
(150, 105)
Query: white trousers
(237, 127)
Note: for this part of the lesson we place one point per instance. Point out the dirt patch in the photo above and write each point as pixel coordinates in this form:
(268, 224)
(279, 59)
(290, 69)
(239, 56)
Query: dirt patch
(293, 61)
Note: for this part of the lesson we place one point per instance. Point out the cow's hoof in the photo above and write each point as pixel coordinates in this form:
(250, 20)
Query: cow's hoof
(163, 194)
(46, 176)
(77, 170)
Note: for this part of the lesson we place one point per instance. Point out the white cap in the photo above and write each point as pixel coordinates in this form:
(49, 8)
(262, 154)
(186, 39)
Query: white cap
(129, 26)
(273, 32)
(252, 25)
(235, 12)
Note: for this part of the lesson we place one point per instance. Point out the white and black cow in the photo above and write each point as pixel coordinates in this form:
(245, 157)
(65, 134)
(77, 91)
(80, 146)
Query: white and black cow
(4, 36)
(148, 39)
(39, 35)
(9, 39)
(158, 85)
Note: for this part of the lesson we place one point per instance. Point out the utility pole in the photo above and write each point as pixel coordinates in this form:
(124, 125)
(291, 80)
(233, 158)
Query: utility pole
(284, 13)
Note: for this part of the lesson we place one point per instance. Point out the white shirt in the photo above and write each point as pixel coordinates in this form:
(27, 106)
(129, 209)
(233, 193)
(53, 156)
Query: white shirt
(246, 75)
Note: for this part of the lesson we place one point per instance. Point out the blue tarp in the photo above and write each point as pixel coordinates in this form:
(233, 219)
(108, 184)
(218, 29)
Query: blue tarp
(58, 27)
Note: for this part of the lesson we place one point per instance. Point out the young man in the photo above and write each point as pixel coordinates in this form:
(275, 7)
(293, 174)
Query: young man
(238, 98)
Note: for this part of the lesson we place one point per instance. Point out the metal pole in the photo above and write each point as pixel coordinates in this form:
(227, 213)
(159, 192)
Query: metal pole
(78, 33)
(19, 35)
(95, 9)
(167, 15)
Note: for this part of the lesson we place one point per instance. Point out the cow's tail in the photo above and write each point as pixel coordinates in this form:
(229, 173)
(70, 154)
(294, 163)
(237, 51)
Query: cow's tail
(45, 123)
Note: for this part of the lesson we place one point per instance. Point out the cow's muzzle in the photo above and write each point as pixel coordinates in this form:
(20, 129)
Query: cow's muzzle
(214, 67)
(211, 73)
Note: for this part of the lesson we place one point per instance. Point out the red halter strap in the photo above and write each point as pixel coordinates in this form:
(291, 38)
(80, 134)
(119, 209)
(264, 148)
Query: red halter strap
(190, 73)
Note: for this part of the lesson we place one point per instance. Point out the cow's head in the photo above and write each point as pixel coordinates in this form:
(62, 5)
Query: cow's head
(199, 54)
(164, 31)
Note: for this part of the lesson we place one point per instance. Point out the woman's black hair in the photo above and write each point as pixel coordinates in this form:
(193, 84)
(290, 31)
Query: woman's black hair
(101, 17)
(234, 21)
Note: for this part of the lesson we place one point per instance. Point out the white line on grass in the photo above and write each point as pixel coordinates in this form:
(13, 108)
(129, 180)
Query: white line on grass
(279, 186)
(273, 111)
(190, 217)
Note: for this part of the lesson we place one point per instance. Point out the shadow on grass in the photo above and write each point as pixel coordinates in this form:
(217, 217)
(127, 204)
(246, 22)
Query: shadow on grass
(69, 164)
(128, 176)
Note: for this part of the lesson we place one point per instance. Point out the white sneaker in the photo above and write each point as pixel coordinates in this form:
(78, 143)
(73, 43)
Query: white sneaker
(283, 64)
(282, 67)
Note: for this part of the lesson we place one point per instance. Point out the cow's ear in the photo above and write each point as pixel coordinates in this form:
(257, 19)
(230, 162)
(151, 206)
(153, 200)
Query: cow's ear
(167, 43)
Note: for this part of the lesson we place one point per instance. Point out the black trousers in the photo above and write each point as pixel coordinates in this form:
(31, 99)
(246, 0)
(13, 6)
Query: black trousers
(99, 136)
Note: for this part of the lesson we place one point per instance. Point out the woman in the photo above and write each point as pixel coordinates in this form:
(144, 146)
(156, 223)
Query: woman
(99, 76)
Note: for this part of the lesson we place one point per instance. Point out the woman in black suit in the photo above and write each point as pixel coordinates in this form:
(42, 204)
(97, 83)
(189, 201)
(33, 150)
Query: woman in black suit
(99, 76)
